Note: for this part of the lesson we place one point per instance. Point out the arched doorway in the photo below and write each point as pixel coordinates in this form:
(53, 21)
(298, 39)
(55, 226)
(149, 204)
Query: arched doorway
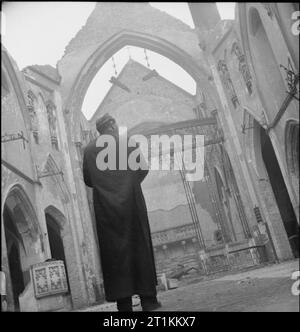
(14, 245)
(55, 240)
(16, 273)
(22, 244)
(280, 192)
(55, 237)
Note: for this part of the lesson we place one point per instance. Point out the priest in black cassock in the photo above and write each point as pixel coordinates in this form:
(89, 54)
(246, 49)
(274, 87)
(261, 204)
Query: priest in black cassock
(123, 230)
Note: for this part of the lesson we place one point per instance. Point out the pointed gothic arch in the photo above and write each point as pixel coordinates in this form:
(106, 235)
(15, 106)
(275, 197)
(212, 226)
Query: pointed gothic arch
(271, 187)
(29, 225)
(23, 242)
(57, 215)
(264, 58)
(42, 98)
(13, 78)
(57, 231)
(97, 58)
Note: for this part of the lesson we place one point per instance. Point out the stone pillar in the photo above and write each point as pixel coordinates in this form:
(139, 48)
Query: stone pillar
(81, 298)
(205, 15)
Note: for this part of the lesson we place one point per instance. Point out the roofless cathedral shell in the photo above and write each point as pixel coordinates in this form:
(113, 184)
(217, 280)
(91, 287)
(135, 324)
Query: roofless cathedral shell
(245, 210)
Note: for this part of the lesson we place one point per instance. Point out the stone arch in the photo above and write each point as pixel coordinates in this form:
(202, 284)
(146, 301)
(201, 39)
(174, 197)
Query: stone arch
(23, 244)
(265, 62)
(95, 61)
(57, 215)
(252, 142)
(43, 99)
(264, 58)
(75, 85)
(19, 89)
(58, 233)
(18, 194)
(58, 224)
(41, 104)
(254, 139)
(9, 67)
(64, 229)
(284, 14)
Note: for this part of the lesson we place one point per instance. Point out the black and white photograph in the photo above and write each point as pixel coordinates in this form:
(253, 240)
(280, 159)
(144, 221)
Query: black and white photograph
(149, 159)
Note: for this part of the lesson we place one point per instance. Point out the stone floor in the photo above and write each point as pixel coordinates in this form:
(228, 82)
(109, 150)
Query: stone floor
(263, 289)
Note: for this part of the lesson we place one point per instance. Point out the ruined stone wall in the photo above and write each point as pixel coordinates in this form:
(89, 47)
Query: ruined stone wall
(267, 35)
(268, 48)
(113, 17)
(13, 122)
(15, 155)
(245, 57)
(23, 168)
(241, 58)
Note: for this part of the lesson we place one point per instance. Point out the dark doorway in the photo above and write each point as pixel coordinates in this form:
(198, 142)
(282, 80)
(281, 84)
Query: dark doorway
(280, 191)
(13, 241)
(55, 242)
(16, 274)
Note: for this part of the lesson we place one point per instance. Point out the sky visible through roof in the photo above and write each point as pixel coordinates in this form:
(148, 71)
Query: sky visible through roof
(32, 36)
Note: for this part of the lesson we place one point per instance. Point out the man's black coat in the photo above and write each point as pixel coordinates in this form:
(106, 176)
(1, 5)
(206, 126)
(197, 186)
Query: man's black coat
(123, 231)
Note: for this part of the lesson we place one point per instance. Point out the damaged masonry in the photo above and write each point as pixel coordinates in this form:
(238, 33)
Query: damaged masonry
(240, 213)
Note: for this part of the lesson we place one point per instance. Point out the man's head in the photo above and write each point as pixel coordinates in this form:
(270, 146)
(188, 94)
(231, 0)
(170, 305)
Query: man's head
(107, 125)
